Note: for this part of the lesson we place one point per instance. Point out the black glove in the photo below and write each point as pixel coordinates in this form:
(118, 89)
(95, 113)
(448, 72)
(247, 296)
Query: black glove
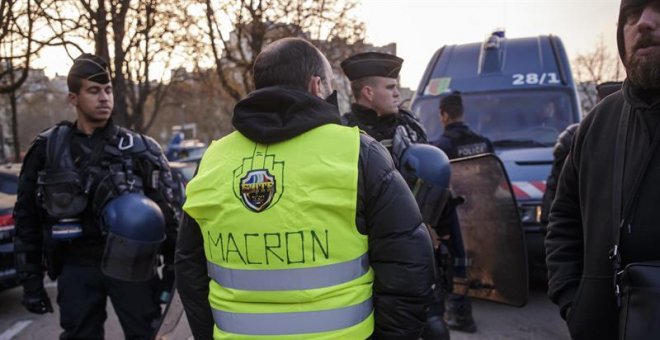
(35, 298)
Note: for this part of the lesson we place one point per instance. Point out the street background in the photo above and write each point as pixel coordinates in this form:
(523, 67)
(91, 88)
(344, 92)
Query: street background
(538, 320)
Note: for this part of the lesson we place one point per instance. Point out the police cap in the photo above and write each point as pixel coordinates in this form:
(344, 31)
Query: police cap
(90, 67)
(372, 64)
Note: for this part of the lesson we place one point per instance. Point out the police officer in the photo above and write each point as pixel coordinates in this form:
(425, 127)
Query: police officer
(303, 226)
(69, 175)
(376, 111)
(459, 141)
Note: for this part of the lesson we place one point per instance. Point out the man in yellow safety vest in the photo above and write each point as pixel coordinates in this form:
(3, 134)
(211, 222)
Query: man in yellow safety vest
(298, 227)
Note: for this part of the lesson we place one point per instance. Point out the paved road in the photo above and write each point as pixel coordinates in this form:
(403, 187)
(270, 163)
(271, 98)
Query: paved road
(537, 320)
(16, 323)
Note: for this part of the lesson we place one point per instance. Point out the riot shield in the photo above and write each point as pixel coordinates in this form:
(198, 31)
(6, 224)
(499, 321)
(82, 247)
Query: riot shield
(492, 232)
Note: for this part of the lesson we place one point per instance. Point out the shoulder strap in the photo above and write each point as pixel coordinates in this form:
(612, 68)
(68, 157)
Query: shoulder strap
(619, 158)
(58, 154)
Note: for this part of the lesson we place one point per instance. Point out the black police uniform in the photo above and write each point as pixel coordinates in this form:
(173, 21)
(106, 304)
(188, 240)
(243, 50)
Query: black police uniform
(382, 128)
(395, 131)
(61, 162)
(459, 141)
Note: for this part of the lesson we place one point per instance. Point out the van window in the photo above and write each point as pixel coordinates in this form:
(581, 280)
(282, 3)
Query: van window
(511, 118)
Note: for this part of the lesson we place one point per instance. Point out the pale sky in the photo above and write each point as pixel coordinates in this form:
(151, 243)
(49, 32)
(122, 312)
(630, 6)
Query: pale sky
(420, 27)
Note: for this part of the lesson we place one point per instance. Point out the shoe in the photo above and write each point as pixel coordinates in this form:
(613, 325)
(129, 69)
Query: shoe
(461, 324)
(458, 314)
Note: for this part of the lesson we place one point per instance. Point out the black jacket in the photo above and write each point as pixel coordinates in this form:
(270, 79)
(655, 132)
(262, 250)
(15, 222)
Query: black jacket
(580, 232)
(400, 250)
(382, 128)
(148, 163)
(459, 141)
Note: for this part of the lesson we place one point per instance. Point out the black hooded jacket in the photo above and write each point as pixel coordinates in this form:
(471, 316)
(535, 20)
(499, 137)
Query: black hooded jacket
(581, 232)
(400, 250)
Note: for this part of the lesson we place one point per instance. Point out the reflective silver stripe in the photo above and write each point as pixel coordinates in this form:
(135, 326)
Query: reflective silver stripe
(289, 279)
(387, 142)
(292, 323)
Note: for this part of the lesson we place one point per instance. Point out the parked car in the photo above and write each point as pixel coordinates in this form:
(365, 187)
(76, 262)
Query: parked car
(8, 187)
(185, 168)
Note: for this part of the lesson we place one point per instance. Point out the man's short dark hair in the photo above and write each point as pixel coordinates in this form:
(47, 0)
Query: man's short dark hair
(452, 105)
(358, 84)
(89, 67)
(288, 61)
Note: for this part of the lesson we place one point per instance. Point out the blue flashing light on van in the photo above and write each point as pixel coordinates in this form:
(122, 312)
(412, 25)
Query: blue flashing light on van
(519, 93)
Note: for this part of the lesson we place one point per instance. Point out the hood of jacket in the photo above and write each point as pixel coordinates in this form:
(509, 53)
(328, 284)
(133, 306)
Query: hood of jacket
(277, 113)
(639, 99)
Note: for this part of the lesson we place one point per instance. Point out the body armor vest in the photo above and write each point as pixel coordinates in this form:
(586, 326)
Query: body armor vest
(68, 190)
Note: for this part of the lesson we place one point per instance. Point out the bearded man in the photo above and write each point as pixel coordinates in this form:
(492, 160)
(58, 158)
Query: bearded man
(591, 197)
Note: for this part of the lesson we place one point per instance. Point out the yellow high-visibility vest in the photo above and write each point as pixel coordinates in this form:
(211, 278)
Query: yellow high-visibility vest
(278, 221)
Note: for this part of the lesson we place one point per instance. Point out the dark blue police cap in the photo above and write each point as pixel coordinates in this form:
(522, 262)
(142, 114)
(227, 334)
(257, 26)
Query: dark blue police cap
(90, 67)
(372, 64)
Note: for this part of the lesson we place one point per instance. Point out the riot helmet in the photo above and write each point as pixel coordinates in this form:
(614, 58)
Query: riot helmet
(425, 162)
(135, 228)
(427, 171)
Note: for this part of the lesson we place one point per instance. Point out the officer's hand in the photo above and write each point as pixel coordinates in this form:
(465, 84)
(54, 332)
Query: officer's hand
(434, 236)
(35, 298)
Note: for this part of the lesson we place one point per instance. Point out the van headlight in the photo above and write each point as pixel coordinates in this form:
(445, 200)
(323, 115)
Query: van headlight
(530, 213)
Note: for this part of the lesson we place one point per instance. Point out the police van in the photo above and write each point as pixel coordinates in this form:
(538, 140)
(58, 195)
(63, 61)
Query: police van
(519, 93)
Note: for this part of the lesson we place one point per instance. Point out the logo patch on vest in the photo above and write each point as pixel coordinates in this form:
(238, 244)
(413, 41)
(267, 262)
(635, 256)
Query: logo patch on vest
(258, 189)
(258, 182)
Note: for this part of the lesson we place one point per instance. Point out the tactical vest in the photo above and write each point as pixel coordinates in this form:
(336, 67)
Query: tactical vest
(466, 143)
(385, 134)
(283, 251)
(67, 191)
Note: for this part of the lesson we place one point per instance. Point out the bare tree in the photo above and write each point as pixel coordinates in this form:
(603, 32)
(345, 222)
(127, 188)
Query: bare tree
(134, 36)
(594, 67)
(238, 30)
(16, 52)
(198, 99)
